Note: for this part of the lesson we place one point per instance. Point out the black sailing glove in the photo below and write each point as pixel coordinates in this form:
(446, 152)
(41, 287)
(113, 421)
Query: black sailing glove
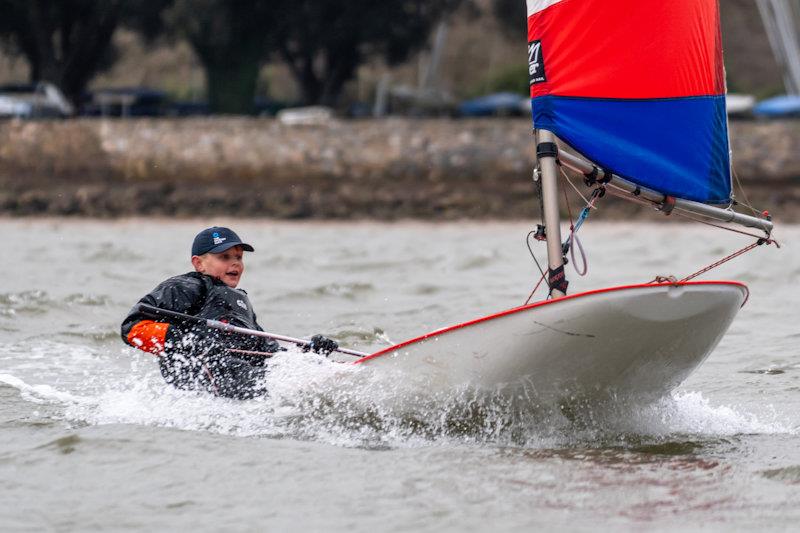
(271, 346)
(323, 345)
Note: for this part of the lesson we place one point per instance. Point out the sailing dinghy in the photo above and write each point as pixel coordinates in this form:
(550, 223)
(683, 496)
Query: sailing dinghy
(630, 94)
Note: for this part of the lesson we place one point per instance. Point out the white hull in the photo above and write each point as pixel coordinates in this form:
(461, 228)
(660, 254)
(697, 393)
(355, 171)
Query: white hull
(639, 341)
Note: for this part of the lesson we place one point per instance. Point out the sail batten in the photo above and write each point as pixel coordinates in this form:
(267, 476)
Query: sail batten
(636, 86)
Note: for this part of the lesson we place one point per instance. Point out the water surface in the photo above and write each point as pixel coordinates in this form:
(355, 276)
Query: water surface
(93, 439)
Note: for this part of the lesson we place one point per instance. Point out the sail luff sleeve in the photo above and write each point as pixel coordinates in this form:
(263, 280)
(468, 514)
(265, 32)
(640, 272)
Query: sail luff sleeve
(636, 86)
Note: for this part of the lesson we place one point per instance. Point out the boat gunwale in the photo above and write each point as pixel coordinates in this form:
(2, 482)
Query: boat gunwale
(447, 329)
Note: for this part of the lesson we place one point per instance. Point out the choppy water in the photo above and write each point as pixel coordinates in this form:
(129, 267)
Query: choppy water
(90, 437)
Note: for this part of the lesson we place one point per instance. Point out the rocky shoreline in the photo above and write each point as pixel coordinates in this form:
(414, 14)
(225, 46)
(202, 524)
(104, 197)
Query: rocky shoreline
(372, 169)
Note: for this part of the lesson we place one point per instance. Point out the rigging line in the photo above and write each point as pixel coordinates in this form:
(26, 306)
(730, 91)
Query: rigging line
(572, 185)
(537, 179)
(581, 272)
(744, 192)
(528, 243)
(760, 240)
(624, 195)
(599, 192)
(534, 290)
(568, 244)
(572, 241)
(569, 211)
(211, 378)
(746, 249)
(768, 240)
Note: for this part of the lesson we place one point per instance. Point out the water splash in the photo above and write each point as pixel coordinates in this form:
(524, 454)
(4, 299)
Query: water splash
(317, 399)
(313, 398)
(682, 415)
(41, 393)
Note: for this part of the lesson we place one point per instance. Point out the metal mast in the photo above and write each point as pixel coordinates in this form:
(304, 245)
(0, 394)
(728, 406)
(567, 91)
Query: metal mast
(546, 153)
(780, 18)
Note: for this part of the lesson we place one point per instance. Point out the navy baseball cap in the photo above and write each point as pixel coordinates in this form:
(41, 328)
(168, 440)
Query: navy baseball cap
(216, 240)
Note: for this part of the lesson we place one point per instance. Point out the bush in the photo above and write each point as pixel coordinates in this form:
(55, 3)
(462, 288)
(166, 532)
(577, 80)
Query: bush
(513, 78)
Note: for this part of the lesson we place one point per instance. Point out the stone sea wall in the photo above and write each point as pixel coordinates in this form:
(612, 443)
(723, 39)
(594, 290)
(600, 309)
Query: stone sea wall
(384, 169)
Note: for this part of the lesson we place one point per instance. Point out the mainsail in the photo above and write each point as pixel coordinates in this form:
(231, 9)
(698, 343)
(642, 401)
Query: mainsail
(636, 86)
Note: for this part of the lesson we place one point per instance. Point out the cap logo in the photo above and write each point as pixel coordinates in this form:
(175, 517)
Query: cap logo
(218, 239)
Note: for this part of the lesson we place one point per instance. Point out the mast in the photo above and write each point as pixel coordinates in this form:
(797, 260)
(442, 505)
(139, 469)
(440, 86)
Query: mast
(779, 18)
(546, 153)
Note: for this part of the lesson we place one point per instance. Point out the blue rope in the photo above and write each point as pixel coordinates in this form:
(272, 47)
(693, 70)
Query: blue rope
(581, 219)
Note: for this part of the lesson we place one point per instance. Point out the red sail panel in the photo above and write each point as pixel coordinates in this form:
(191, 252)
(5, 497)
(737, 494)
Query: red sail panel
(637, 87)
(627, 48)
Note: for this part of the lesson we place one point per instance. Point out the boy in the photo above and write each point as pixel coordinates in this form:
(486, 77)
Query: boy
(192, 357)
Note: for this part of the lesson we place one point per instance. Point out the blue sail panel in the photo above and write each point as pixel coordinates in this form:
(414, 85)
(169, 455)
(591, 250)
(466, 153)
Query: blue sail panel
(677, 146)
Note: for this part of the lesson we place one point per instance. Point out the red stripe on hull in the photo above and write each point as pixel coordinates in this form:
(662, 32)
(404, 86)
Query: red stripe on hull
(629, 48)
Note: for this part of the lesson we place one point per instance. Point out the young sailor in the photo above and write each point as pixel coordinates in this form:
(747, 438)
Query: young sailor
(193, 357)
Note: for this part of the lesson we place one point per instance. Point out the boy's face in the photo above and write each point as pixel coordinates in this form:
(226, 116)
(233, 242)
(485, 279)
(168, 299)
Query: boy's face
(227, 266)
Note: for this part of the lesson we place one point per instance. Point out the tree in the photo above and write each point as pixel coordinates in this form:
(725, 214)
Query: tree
(67, 42)
(325, 41)
(232, 39)
(511, 16)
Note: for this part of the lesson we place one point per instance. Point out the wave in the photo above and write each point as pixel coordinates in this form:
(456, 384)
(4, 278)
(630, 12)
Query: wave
(349, 291)
(12, 303)
(114, 253)
(363, 335)
(36, 302)
(790, 474)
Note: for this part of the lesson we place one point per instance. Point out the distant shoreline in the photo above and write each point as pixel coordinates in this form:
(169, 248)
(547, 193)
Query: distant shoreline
(392, 169)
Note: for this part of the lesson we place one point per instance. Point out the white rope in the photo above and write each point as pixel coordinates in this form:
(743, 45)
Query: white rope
(585, 201)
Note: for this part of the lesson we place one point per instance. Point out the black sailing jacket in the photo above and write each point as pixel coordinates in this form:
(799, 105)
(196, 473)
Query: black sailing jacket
(203, 296)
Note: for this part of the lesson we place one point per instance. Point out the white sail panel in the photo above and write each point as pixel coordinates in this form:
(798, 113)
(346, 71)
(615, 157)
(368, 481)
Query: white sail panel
(534, 6)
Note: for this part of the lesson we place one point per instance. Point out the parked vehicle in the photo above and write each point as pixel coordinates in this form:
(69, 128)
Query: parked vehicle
(496, 105)
(127, 102)
(785, 106)
(39, 100)
(739, 105)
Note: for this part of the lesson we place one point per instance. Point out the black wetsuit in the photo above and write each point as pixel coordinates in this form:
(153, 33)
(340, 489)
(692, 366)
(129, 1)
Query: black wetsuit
(197, 357)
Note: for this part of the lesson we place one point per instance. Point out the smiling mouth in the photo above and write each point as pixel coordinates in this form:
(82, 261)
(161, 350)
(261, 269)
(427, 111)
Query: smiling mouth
(233, 274)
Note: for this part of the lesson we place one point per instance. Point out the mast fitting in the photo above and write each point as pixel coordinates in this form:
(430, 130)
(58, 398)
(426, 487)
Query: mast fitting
(547, 149)
(590, 178)
(667, 205)
(557, 280)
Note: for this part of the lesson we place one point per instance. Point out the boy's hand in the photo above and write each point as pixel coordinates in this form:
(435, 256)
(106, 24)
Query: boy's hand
(271, 346)
(323, 345)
